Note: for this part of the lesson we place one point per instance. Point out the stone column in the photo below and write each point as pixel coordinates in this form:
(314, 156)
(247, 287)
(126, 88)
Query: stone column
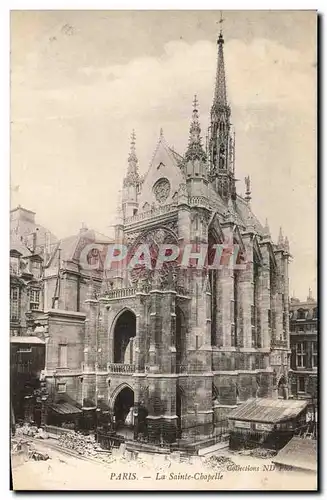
(264, 297)
(246, 296)
(286, 298)
(90, 350)
(278, 297)
(225, 288)
(103, 340)
(119, 272)
(184, 215)
(167, 346)
(265, 380)
(141, 331)
(198, 342)
(155, 330)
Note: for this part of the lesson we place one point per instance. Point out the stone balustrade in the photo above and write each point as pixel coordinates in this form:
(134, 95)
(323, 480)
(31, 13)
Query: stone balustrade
(199, 201)
(148, 214)
(120, 368)
(120, 293)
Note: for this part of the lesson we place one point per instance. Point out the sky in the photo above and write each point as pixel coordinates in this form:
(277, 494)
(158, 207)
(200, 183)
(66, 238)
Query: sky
(82, 80)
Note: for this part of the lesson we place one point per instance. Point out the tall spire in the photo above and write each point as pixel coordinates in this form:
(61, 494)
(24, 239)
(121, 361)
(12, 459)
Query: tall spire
(195, 149)
(132, 171)
(220, 97)
(221, 140)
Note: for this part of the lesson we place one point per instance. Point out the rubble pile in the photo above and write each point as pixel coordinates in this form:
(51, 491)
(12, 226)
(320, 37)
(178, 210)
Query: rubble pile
(81, 444)
(31, 431)
(262, 453)
(218, 462)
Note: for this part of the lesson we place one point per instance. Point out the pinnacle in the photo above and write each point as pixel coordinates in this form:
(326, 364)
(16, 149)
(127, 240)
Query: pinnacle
(195, 149)
(280, 238)
(266, 229)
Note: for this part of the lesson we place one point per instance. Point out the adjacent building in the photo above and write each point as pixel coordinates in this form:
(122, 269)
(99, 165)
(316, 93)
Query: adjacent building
(304, 347)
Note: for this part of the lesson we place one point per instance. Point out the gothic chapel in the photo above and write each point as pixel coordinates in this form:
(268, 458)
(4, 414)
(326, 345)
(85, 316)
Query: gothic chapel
(179, 349)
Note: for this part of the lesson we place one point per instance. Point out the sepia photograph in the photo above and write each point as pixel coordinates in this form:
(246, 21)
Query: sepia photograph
(163, 250)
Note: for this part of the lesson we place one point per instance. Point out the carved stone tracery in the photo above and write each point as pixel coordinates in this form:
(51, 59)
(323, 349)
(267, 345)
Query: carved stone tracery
(161, 190)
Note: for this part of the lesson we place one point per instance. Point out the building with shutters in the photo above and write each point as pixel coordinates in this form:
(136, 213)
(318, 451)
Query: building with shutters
(30, 244)
(304, 347)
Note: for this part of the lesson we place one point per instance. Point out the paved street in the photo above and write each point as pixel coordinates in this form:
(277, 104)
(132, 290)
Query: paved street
(66, 472)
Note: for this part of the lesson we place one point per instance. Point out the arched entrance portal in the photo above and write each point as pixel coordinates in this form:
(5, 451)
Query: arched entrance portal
(123, 408)
(125, 331)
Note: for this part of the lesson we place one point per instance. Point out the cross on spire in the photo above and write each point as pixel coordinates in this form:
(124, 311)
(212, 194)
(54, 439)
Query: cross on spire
(221, 21)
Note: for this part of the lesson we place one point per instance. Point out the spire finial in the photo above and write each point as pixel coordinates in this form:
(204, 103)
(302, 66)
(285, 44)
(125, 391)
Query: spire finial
(133, 138)
(161, 132)
(195, 149)
(132, 155)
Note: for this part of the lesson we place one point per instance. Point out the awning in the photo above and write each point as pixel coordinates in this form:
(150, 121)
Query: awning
(300, 453)
(268, 410)
(64, 409)
(26, 340)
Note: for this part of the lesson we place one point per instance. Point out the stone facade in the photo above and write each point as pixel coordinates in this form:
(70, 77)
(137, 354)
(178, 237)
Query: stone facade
(188, 344)
(304, 347)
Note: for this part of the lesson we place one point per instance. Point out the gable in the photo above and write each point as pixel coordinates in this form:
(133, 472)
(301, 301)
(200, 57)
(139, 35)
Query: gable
(161, 182)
